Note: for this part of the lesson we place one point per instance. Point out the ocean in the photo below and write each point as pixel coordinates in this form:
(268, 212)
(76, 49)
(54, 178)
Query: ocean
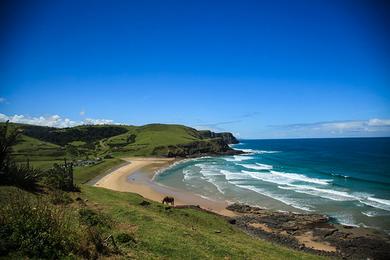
(347, 179)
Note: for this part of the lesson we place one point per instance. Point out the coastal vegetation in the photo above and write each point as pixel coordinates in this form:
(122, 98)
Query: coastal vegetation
(40, 143)
(59, 216)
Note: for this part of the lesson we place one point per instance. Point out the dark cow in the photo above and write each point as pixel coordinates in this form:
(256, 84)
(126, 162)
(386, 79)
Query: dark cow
(168, 200)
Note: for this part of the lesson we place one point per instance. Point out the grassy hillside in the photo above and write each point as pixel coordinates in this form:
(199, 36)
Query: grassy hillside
(170, 233)
(149, 137)
(34, 149)
(153, 231)
(60, 220)
(38, 143)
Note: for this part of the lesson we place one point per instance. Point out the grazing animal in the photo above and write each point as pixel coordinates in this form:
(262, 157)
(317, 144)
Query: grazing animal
(168, 200)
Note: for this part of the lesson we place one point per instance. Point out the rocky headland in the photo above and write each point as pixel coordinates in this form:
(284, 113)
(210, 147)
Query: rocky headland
(312, 233)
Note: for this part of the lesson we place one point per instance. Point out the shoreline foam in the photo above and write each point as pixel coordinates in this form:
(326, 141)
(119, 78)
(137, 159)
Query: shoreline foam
(138, 177)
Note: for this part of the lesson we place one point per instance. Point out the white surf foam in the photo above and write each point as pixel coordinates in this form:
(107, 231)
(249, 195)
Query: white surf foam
(284, 178)
(323, 193)
(257, 166)
(345, 219)
(237, 158)
(252, 151)
(189, 174)
(210, 174)
(376, 203)
(336, 195)
(370, 213)
(288, 201)
(301, 177)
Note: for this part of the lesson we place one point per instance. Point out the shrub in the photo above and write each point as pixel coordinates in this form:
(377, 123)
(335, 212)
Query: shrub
(22, 176)
(92, 218)
(34, 228)
(60, 176)
(58, 197)
(31, 226)
(125, 238)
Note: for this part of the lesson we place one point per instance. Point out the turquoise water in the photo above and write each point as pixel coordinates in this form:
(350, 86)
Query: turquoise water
(347, 179)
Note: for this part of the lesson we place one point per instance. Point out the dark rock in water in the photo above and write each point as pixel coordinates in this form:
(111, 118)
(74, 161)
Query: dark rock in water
(295, 230)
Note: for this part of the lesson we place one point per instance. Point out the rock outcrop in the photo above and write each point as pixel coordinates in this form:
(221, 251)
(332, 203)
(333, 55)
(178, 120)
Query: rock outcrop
(226, 137)
(312, 232)
(216, 146)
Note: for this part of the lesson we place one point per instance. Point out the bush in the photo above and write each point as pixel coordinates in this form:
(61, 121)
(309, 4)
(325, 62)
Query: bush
(91, 218)
(125, 238)
(60, 176)
(22, 176)
(58, 197)
(32, 227)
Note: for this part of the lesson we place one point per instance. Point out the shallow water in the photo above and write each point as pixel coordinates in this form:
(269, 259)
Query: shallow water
(348, 179)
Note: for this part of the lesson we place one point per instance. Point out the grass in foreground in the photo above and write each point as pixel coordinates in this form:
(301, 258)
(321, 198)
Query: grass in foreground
(164, 232)
(80, 225)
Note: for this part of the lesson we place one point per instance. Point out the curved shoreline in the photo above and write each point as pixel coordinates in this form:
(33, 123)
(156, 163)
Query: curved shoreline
(137, 176)
(303, 231)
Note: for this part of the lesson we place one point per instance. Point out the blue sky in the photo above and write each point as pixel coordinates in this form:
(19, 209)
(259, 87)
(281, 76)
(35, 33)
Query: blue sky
(260, 69)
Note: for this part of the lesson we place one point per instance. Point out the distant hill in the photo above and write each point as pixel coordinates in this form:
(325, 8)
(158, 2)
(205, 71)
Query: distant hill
(165, 140)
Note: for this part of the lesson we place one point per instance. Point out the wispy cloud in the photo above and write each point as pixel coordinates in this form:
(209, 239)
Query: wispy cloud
(215, 126)
(370, 127)
(218, 126)
(53, 120)
(3, 100)
(91, 121)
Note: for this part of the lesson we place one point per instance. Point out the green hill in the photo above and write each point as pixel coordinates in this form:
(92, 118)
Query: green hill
(141, 229)
(96, 223)
(40, 143)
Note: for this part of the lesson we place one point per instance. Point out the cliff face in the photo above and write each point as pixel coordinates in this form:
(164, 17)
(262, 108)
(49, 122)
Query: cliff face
(210, 144)
(226, 137)
(215, 146)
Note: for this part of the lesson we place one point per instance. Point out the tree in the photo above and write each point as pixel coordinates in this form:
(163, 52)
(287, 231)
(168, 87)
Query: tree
(21, 175)
(60, 176)
(7, 140)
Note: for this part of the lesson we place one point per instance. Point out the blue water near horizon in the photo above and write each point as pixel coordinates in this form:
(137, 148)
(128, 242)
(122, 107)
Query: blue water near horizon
(345, 178)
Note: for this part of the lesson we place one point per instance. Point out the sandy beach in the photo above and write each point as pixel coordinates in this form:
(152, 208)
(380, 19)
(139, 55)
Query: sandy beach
(137, 177)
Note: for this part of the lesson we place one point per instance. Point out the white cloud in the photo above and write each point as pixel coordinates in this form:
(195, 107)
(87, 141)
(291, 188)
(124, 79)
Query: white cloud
(52, 121)
(378, 122)
(82, 112)
(3, 100)
(370, 127)
(91, 121)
